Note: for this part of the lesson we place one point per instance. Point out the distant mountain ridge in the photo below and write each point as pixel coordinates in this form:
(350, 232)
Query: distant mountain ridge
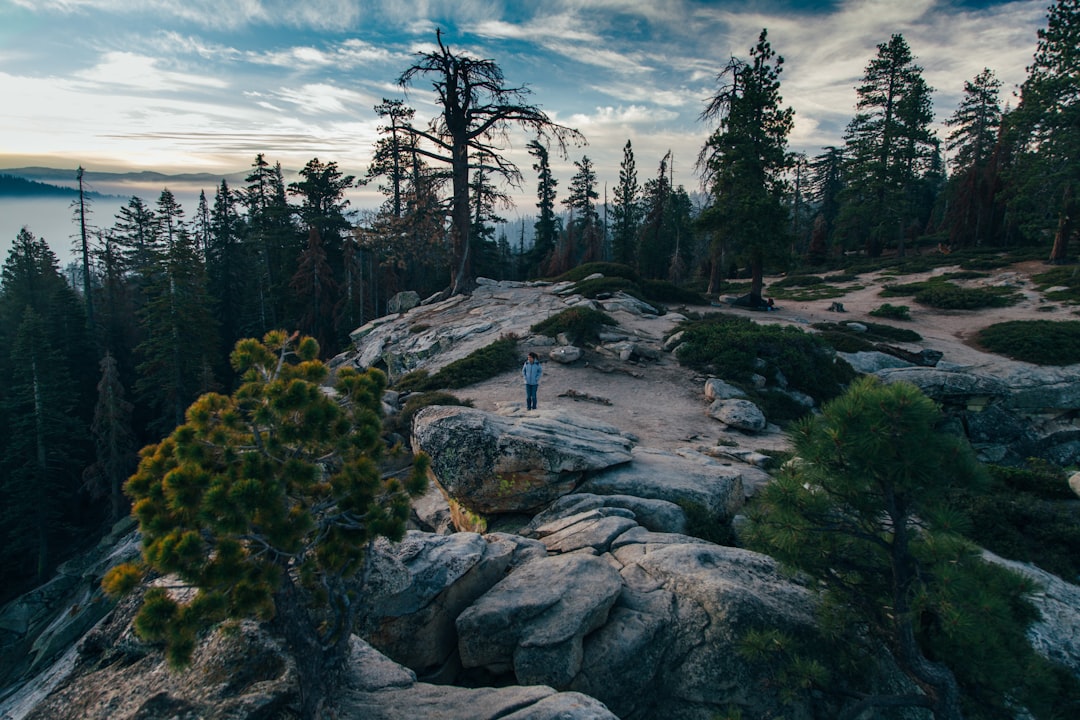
(13, 186)
(67, 175)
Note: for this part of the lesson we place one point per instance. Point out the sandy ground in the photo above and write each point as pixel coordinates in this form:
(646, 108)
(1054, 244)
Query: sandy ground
(663, 404)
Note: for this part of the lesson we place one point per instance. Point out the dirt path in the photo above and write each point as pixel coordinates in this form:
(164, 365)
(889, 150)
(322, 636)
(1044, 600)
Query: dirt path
(663, 405)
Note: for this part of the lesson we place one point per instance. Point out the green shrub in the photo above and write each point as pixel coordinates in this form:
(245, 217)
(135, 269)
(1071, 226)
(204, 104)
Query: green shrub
(963, 275)
(808, 293)
(402, 422)
(732, 348)
(893, 312)
(846, 341)
(875, 332)
(607, 286)
(1067, 277)
(604, 268)
(779, 407)
(479, 365)
(796, 281)
(700, 523)
(668, 292)
(947, 296)
(1040, 478)
(905, 289)
(581, 324)
(1025, 528)
(842, 277)
(1042, 342)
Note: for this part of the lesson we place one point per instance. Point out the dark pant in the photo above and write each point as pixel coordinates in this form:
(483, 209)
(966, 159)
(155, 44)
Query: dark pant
(530, 397)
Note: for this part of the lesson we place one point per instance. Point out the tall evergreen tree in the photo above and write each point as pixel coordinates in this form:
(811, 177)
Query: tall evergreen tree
(1047, 171)
(890, 146)
(42, 458)
(316, 291)
(654, 247)
(585, 234)
(825, 187)
(744, 160)
(973, 139)
(547, 227)
(134, 234)
(477, 111)
(45, 405)
(179, 330)
(230, 266)
(393, 156)
(114, 441)
(270, 237)
(626, 210)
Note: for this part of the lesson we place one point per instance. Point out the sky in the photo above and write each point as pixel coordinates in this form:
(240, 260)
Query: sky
(205, 85)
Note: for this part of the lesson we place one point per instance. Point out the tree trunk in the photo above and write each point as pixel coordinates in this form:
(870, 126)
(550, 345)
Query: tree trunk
(459, 231)
(320, 668)
(1059, 253)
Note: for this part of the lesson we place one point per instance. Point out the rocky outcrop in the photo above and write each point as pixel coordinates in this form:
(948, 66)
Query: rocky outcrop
(43, 624)
(419, 586)
(380, 689)
(738, 414)
(1029, 411)
(685, 477)
(1056, 634)
(516, 462)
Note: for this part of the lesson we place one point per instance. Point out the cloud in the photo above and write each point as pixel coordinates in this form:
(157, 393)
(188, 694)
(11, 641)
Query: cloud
(318, 98)
(347, 55)
(628, 115)
(131, 71)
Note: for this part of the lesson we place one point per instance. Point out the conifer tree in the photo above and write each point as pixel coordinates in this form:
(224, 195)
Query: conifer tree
(890, 147)
(584, 225)
(1047, 170)
(43, 453)
(266, 503)
(863, 510)
(114, 441)
(744, 160)
(626, 210)
(179, 331)
(547, 227)
(477, 111)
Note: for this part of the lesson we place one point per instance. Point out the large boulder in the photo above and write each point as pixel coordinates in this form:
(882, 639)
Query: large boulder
(739, 414)
(380, 689)
(515, 462)
(532, 627)
(686, 477)
(419, 586)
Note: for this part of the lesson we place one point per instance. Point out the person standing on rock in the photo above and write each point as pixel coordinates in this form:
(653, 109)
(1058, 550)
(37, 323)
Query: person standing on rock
(531, 371)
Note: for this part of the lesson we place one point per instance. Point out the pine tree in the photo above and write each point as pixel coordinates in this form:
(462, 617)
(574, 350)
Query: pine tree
(626, 210)
(1047, 171)
(584, 225)
(179, 330)
(825, 188)
(744, 161)
(889, 146)
(114, 441)
(317, 293)
(43, 453)
(547, 227)
(863, 510)
(266, 503)
(477, 111)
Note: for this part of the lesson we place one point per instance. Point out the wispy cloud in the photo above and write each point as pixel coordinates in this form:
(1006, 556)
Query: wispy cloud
(140, 72)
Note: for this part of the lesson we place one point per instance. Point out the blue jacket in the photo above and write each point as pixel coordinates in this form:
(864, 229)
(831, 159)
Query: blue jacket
(532, 372)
